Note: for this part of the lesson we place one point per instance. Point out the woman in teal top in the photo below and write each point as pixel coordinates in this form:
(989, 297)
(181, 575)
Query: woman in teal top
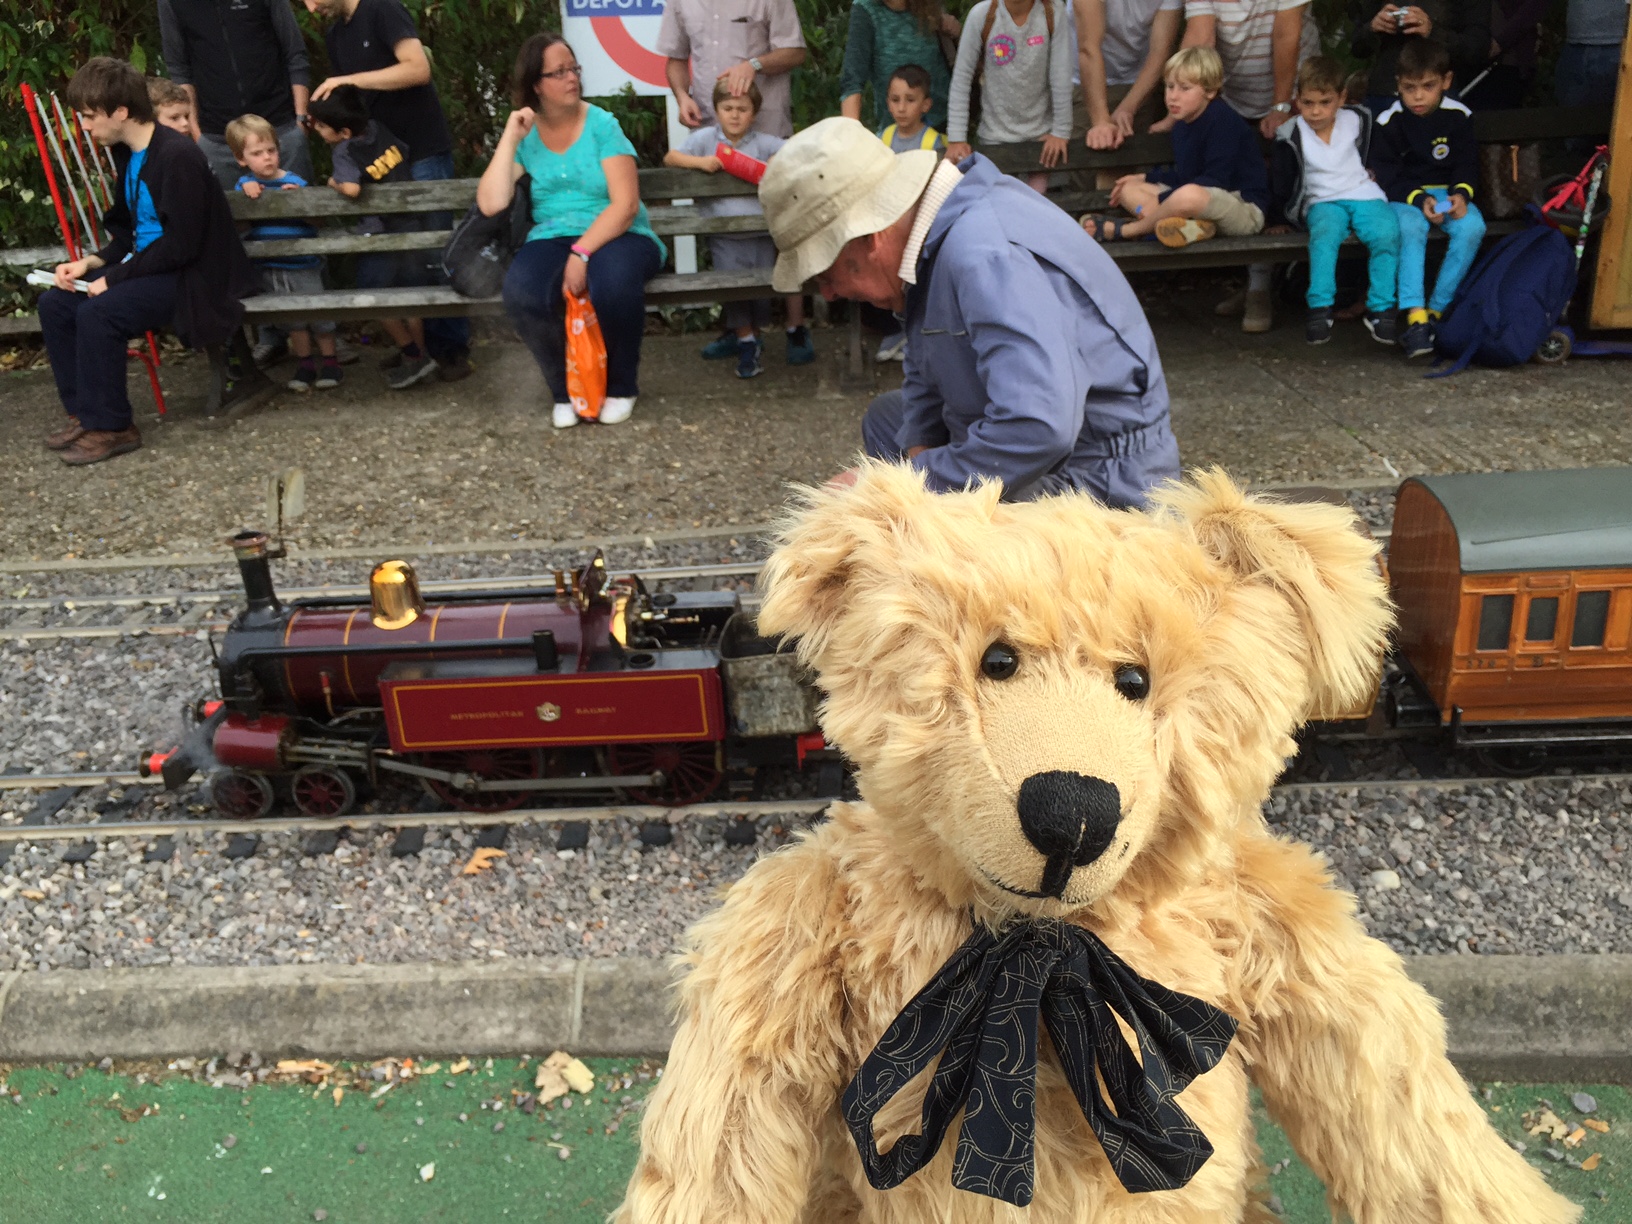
(590, 230)
(884, 35)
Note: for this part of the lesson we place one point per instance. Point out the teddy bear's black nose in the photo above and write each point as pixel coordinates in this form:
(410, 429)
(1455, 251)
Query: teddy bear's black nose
(1071, 819)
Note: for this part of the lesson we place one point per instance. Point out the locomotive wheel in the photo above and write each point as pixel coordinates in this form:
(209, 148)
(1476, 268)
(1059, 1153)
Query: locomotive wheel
(490, 765)
(240, 796)
(1555, 349)
(323, 792)
(690, 772)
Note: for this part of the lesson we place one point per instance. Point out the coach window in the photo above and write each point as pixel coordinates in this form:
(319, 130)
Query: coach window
(1591, 618)
(1495, 622)
(1541, 622)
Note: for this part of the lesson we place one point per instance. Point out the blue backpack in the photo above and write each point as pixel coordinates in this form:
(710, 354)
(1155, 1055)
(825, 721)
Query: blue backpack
(1509, 302)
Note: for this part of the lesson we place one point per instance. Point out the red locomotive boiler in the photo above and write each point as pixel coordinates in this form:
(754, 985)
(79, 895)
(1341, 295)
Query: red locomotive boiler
(489, 699)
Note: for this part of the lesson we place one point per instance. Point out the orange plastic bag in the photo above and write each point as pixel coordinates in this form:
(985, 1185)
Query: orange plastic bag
(586, 358)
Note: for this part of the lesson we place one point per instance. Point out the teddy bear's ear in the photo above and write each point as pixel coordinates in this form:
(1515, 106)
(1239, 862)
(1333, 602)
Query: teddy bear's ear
(832, 539)
(1317, 557)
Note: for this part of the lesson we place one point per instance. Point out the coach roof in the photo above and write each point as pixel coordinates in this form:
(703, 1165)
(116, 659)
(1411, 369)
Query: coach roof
(1509, 522)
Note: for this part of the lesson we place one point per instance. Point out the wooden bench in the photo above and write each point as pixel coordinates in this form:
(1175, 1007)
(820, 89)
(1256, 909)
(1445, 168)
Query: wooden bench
(660, 187)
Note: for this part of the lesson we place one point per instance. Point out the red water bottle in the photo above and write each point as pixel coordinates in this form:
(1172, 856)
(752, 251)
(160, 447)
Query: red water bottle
(738, 164)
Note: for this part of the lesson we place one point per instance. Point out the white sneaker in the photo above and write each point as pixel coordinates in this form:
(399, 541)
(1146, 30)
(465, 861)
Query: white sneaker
(565, 417)
(616, 409)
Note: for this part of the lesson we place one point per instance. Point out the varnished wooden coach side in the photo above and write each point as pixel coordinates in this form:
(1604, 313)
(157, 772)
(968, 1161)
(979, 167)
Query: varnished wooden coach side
(1533, 672)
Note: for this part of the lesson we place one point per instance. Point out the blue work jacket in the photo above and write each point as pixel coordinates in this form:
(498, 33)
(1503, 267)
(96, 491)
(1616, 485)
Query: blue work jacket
(1028, 355)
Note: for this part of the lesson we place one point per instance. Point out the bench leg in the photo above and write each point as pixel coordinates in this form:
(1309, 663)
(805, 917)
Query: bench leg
(218, 378)
(856, 377)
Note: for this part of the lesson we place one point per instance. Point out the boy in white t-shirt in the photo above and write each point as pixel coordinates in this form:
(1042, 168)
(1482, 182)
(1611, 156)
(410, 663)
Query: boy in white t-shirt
(1319, 180)
(733, 125)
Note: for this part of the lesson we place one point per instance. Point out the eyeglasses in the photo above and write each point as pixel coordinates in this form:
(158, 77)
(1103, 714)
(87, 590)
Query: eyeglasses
(561, 74)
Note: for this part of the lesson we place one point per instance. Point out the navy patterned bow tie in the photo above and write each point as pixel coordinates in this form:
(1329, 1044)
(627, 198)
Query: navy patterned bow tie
(979, 1013)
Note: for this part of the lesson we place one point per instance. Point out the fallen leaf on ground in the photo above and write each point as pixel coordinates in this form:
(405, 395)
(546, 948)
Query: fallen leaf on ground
(550, 1083)
(309, 1067)
(1546, 1123)
(339, 1093)
(563, 1068)
(427, 1171)
(1573, 1139)
(33, 894)
(1596, 1124)
(1591, 1162)
(460, 1067)
(482, 859)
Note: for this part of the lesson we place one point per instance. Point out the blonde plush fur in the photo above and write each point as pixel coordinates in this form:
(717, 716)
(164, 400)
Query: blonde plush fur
(1249, 616)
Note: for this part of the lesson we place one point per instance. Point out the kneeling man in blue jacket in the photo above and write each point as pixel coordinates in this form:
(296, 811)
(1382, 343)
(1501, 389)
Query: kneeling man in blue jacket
(1028, 356)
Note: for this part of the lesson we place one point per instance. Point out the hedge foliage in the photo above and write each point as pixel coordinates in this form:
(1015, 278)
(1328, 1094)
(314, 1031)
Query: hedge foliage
(472, 44)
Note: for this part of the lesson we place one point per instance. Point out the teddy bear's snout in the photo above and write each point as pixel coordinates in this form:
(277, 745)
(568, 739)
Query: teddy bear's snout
(1071, 819)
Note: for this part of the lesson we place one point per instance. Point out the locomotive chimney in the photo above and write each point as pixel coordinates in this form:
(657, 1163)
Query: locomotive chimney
(250, 547)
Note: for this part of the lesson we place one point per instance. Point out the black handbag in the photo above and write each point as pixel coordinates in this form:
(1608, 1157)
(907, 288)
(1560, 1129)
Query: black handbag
(479, 251)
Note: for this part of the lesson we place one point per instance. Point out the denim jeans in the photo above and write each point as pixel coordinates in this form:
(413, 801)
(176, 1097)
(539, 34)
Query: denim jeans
(1586, 74)
(1464, 235)
(446, 339)
(618, 273)
(1372, 221)
(85, 339)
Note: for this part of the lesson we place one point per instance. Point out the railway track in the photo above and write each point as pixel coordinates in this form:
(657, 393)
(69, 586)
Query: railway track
(182, 613)
(645, 813)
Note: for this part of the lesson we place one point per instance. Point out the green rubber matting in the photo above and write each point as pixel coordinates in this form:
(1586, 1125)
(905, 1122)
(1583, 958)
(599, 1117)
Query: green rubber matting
(94, 1145)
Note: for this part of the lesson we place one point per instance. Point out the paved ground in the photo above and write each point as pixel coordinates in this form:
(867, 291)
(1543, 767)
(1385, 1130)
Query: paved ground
(78, 1145)
(477, 460)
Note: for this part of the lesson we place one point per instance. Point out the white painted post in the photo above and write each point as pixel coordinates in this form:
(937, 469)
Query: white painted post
(685, 248)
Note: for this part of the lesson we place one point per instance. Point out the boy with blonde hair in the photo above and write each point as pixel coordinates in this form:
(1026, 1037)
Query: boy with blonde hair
(1217, 182)
(172, 107)
(734, 118)
(254, 143)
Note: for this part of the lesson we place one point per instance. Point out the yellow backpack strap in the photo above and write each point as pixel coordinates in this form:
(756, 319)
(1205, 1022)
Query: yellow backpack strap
(928, 138)
(888, 135)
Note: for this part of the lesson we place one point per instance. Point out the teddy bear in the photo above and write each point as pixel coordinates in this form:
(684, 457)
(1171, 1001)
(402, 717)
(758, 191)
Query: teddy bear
(1033, 973)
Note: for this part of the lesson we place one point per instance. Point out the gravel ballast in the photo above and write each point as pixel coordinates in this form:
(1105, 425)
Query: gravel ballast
(1494, 869)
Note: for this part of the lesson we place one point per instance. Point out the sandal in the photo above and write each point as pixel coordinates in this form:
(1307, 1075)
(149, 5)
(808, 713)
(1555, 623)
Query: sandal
(1182, 231)
(1107, 229)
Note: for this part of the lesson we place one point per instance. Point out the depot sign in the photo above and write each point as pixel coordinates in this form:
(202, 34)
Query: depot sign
(614, 41)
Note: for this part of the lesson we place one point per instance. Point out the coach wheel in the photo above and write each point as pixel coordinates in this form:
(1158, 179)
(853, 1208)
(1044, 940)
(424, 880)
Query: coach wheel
(323, 792)
(1514, 762)
(489, 765)
(241, 796)
(1555, 349)
(690, 771)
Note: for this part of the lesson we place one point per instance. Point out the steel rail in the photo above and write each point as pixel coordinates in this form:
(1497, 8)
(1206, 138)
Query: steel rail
(409, 820)
(643, 812)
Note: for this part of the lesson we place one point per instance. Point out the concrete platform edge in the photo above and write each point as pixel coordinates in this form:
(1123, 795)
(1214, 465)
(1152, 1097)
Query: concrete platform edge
(1509, 1017)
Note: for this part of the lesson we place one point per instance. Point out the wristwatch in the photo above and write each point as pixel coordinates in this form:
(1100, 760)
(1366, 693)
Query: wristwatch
(756, 65)
(1282, 108)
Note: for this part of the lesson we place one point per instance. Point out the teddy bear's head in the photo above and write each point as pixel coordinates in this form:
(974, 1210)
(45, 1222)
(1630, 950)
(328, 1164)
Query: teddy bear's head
(1054, 704)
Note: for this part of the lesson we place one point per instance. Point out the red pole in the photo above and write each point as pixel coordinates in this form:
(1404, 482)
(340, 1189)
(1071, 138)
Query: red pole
(50, 178)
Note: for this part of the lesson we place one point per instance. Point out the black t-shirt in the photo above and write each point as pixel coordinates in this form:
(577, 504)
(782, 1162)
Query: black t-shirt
(367, 43)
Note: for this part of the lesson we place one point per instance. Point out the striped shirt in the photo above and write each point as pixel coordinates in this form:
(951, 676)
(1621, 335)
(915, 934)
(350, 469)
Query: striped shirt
(1243, 43)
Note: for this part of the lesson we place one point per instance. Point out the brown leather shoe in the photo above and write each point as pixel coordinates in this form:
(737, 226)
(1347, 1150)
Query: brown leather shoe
(95, 445)
(64, 437)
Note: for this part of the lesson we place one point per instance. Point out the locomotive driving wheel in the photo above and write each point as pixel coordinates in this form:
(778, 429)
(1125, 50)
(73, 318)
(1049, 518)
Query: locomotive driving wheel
(489, 765)
(323, 792)
(238, 795)
(690, 771)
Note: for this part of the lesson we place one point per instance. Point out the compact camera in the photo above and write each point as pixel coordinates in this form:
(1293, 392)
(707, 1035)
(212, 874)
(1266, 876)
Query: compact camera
(1400, 14)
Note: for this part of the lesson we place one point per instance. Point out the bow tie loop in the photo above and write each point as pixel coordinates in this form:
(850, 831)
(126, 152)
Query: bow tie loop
(979, 1014)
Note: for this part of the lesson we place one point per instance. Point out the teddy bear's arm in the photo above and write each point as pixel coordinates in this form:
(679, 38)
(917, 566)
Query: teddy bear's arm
(1349, 1053)
(731, 1135)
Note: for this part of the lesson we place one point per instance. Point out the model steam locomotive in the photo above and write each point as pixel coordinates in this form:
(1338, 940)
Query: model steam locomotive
(1515, 641)
(490, 699)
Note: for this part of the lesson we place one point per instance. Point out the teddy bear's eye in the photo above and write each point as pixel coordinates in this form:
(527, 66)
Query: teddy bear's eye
(1132, 681)
(999, 662)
